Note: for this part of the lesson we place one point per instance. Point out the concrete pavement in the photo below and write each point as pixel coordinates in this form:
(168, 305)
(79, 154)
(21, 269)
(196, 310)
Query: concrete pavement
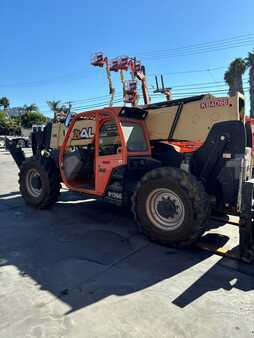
(81, 269)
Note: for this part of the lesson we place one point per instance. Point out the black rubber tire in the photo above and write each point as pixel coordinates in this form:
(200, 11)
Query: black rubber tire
(50, 181)
(193, 196)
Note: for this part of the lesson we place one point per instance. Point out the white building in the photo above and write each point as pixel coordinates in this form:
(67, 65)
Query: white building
(16, 111)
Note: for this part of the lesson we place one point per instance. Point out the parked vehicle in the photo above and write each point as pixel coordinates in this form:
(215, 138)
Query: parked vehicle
(20, 141)
(108, 153)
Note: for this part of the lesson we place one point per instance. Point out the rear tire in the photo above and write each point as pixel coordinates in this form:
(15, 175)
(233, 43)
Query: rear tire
(39, 182)
(171, 206)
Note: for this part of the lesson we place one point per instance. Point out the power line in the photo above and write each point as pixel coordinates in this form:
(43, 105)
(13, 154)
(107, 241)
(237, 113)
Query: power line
(190, 71)
(47, 82)
(200, 48)
(234, 38)
(211, 46)
(101, 104)
(175, 95)
(97, 106)
(183, 94)
(199, 85)
(178, 91)
(164, 57)
(189, 89)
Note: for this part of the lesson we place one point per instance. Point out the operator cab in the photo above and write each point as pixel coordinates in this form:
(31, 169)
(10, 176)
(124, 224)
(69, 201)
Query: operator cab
(96, 144)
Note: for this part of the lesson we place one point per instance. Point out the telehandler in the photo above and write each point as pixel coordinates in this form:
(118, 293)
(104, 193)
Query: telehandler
(127, 156)
(108, 153)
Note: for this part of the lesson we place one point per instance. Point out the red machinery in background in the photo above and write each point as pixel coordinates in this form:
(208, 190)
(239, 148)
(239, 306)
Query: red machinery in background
(130, 87)
(100, 60)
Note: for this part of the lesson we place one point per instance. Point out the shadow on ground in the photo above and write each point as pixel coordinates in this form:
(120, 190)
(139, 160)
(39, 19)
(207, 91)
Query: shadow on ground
(83, 251)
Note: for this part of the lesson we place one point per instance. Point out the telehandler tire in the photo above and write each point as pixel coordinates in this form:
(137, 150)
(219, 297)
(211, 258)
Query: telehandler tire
(39, 182)
(171, 207)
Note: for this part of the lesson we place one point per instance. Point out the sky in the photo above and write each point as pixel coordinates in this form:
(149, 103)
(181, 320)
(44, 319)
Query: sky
(46, 45)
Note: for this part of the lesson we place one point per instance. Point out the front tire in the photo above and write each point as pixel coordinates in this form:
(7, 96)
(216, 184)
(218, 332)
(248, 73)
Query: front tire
(39, 182)
(171, 206)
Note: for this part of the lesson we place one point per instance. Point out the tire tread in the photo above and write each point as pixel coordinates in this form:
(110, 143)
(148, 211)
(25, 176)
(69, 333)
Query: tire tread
(197, 196)
(49, 167)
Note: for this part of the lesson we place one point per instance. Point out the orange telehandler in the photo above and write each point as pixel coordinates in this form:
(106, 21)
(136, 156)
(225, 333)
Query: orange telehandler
(127, 156)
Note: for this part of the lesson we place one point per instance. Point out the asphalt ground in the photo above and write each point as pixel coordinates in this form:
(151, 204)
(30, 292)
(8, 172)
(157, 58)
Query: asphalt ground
(82, 269)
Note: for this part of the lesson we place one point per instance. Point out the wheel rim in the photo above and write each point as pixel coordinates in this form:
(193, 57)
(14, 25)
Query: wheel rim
(33, 183)
(165, 209)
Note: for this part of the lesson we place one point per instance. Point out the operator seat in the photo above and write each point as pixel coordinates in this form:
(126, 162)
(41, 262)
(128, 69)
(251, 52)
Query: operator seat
(87, 156)
(79, 164)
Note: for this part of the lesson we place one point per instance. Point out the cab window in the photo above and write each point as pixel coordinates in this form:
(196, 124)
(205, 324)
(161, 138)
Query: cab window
(109, 139)
(134, 137)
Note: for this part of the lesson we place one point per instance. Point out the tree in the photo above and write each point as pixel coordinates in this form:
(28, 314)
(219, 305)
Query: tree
(250, 65)
(233, 76)
(31, 108)
(7, 124)
(64, 109)
(54, 106)
(32, 117)
(16, 120)
(5, 121)
(4, 102)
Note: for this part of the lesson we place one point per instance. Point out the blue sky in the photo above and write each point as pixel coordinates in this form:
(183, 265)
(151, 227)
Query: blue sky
(46, 44)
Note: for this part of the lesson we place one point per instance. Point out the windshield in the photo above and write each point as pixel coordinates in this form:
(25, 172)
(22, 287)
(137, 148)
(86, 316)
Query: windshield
(134, 136)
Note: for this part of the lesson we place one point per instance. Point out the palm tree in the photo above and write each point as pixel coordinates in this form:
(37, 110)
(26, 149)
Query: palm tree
(233, 76)
(30, 108)
(250, 65)
(4, 101)
(54, 106)
(66, 108)
(229, 79)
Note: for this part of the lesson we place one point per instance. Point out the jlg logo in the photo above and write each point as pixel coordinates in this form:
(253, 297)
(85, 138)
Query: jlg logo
(84, 133)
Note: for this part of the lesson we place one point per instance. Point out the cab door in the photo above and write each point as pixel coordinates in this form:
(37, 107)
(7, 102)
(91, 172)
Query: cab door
(110, 151)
